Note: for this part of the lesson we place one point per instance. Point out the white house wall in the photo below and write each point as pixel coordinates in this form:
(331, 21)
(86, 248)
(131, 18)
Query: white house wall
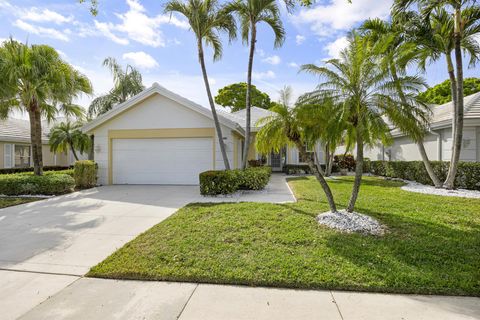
(155, 112)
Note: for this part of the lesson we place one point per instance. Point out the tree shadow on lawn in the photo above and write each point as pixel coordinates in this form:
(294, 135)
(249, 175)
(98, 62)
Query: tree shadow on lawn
(415, 256)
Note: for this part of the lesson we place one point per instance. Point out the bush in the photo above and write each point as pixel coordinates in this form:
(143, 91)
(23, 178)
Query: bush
(253, 178)
(85, 174)
(29, 184)
(227, 182)
(468, 174)
(216, 182)
(30, 169)
(296, 169)
(345, 161)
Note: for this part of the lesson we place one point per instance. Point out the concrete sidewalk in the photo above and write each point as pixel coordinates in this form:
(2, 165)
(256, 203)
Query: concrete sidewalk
(112, 299)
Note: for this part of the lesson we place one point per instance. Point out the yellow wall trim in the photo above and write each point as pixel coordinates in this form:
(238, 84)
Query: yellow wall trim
(156, 134)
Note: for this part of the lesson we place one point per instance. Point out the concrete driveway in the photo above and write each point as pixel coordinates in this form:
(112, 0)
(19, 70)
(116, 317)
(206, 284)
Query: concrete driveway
(47, 245)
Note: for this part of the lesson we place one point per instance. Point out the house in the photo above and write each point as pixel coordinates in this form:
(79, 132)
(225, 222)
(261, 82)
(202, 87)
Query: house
(159, 137)
(15, 147)
(438, 141)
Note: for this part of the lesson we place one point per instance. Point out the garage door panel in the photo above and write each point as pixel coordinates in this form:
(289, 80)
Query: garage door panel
(160, 161)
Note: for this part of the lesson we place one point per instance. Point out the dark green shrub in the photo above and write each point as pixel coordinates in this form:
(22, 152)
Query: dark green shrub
(345, 161)
(30, 169)
(468, 174)
(29, 184)
(296, 169)
(85, 174)
(253, 178)
(215, 182)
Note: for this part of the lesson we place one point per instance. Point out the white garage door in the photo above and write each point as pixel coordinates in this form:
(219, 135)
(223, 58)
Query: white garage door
(160, 161)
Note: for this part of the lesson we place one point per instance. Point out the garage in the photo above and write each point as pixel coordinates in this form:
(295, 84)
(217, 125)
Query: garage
(175, 161)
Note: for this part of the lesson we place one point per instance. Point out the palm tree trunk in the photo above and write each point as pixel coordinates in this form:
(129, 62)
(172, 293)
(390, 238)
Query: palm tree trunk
(212, 106)
(253, 39)
(318, 175)
(358, 172)
(458, 130)
(73, 152)
(36, 138)
(421, 147)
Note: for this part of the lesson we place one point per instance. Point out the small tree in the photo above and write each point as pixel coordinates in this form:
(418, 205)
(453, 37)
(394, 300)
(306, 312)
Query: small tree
(442, 92)
(69, 136)
(234, 97)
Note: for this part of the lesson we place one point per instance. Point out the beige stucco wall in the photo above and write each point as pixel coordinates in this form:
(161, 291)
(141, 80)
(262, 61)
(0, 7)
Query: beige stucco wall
(156, 112)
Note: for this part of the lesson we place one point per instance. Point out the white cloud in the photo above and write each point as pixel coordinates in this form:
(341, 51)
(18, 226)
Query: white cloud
(293, 65)
(141, 59)
(264, 75)
(138, 26)
(326, 19)
(105, 29)
(272, 60)
(41, 31)
(44, 15)
(299, 39)
(260, 52)
(334, 48)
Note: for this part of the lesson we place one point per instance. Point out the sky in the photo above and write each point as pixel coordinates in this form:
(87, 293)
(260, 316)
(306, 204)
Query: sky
(162, 47)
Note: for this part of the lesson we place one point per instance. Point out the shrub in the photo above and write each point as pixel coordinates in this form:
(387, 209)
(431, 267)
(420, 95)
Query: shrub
(30, 169)
(345, 161)
(468, 174)
(85, 174)
(296, 169)
(253, 178)
(216, 182)
(29, 184)
(257, 163)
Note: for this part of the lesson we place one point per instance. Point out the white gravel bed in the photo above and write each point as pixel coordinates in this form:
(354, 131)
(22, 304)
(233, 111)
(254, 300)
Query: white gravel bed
(421, 188)
(351, 222)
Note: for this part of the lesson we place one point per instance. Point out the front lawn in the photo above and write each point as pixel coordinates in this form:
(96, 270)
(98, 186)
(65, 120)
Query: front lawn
(432, 246)
(8, 202)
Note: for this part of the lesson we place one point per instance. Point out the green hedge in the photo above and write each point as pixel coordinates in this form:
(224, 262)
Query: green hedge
(30, 169)
(227, 182)
(304, 168)
(85, 174)
(468, 174)
(29, 184)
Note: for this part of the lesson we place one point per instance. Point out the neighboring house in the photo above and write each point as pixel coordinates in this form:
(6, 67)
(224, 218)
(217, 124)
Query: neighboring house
(159, 137)
(15, 147)
(438, 142)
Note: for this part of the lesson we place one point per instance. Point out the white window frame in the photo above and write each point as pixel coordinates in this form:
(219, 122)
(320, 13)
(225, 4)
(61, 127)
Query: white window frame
(309, 150)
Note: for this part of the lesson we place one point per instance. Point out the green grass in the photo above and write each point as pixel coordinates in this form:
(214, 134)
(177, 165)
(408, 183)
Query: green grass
(433, 244)
(8, 202)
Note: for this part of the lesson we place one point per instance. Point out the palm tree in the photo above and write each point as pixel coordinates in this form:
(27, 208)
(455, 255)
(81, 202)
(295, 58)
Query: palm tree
(356, 84)
(36, 80)
(127, 83)
(69, 136)
(447, 35)
(207, 19)
(251, 13)
(285, 127)
(395, 52)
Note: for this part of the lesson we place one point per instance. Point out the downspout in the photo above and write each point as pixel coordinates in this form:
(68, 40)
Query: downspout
(439, 144)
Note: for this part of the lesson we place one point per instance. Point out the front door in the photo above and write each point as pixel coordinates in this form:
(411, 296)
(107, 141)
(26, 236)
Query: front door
(276, 161)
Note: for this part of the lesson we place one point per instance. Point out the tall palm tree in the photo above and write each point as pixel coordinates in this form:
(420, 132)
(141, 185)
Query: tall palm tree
(362, 90)
(207, 19)
(127, 83)
(285, 127)
(36, 80)
(453, 35)
(67, 136)
(396, 52)
(251, 13)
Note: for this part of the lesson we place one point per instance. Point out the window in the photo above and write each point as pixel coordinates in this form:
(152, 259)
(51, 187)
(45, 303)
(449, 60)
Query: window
(310, 155)
(22, 156)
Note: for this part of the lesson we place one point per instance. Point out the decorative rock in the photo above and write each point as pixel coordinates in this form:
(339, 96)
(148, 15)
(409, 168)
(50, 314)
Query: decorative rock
(351, 222)
(421, 188)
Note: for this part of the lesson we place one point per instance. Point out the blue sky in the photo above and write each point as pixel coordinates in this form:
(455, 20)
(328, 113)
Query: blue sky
(137, 32)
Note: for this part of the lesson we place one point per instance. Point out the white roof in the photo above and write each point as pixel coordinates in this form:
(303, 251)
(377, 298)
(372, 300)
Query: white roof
(443, 114)
(158, 89)
(256, 114)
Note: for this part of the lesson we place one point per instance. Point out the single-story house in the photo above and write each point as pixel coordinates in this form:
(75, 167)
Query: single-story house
(15, 147)
(438, 142)
(159, 137)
